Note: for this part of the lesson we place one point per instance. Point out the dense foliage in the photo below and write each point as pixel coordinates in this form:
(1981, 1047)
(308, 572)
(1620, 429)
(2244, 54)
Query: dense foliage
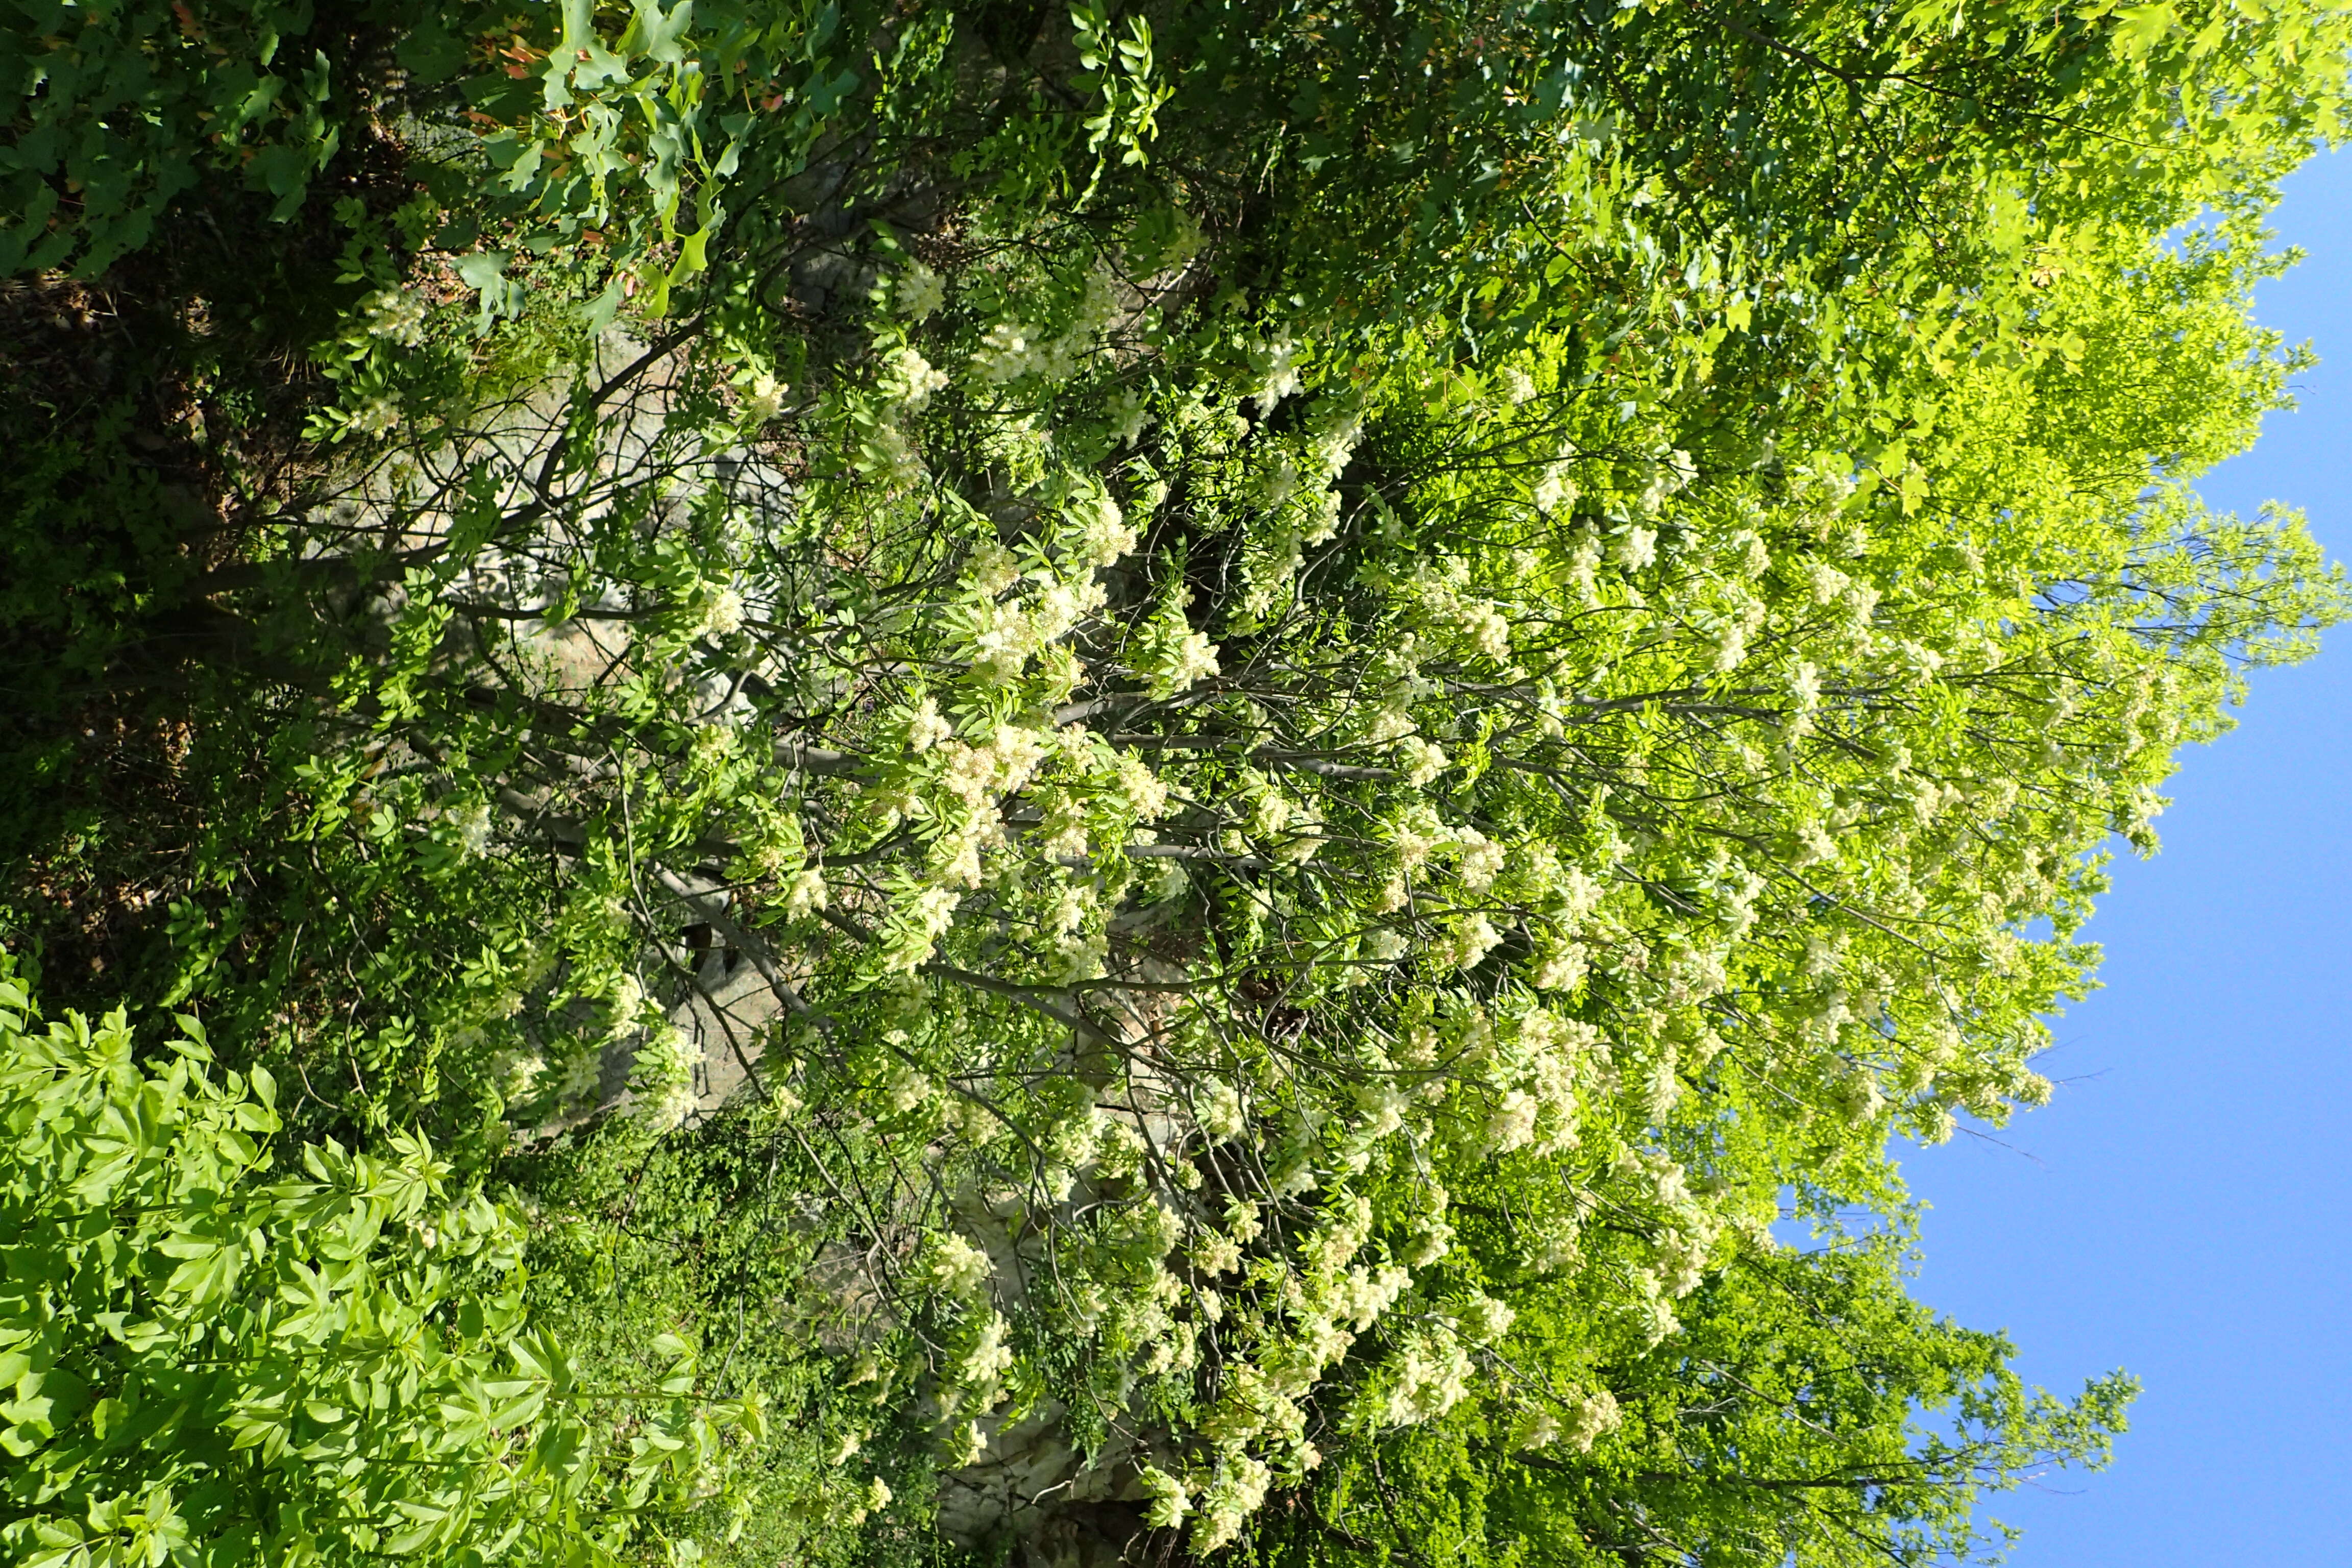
(332, 1370)
(976, 780)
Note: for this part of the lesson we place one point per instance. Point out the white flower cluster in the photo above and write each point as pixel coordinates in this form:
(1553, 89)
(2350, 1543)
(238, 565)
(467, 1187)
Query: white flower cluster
(1008, 350)
(805, 893)
(1216, 1254)
(1442, 597)
(1104, 534)
(916, 924)
(1170, 655)
(977, 1379)
(1219, 1110)
(1636, 548)
(1556, 490)
(1553, 1054)
(1170, 1503)
(1423, 760)
(1429, 1377)
(397, 316)
(1481, 1320)
(1737, 625)
(1007, 634)
(910, 379)
(1662, 476)
(722, 613)
(889, 455)
(1401, 684)
(763, 399)
(472, 822)
(1129, 417)
(957, 1267)
(1277, 365)
(664, 1077)
(1481, 859)
(1590, 1417)
(1338, 426)
(1011, 350)
(379, 414)
(1805, 686)
(1559, 967)
(926, 725)
(918, 292)
(1234, 1492)
(1465, 942)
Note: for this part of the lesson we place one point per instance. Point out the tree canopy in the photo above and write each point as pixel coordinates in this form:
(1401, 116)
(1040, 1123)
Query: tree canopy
(978, 780)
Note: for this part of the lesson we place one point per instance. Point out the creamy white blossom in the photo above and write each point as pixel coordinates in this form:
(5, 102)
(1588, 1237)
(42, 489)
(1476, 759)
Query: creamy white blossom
(1431, 1377)
(918, 292)
(1512, 1124)
(1170, 1501)
(722, 613)
(1423, 760)
(911, 379)
(472, 822)
(1280, 378)
(397, 316)
(957, 1267)
(1481, 1320)
(763, 399)
(1588, 1417)
(805, 893)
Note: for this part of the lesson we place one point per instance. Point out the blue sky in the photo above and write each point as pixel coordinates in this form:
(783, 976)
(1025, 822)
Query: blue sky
(2183, 1208)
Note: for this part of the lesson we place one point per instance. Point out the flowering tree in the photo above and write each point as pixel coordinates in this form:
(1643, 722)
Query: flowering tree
(1265, 803)
(1809, 1412)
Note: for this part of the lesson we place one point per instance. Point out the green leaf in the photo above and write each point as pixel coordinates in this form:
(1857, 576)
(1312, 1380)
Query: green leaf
(2139, 28)
(430, 52)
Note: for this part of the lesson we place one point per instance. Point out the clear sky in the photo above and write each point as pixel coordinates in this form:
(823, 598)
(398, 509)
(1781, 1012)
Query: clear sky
(2183, 1208)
